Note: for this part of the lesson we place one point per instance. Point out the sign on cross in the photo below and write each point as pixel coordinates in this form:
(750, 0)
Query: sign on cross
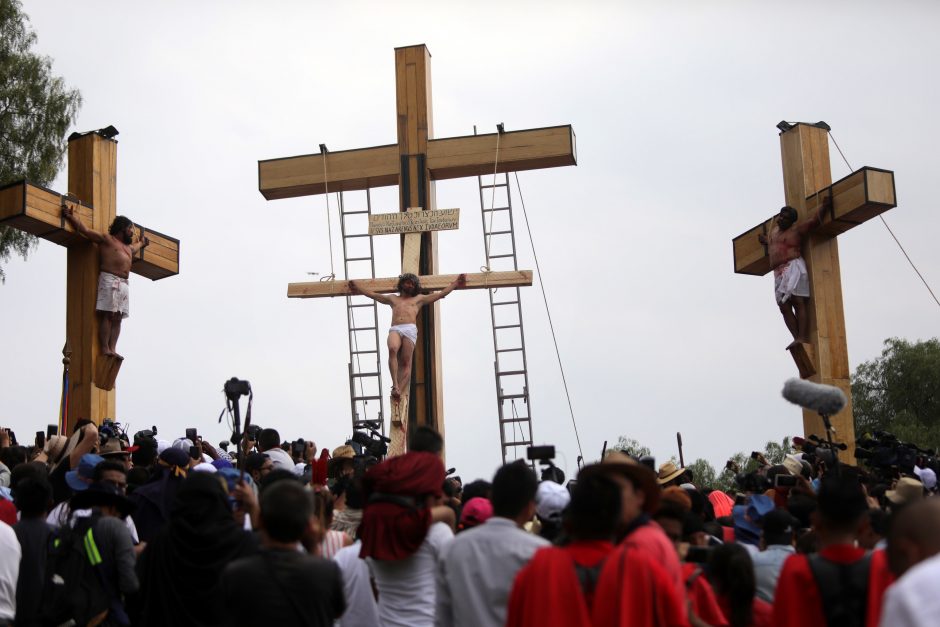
(855, 199)
(414, 163)
(92, 193)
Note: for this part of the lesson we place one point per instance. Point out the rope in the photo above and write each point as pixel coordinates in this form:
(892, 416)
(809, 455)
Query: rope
(893, 236)
(329, 226)
(489, 231)
(538, 271)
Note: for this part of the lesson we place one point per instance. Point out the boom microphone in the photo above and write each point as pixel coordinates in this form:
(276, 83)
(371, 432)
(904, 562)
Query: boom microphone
(827, 400)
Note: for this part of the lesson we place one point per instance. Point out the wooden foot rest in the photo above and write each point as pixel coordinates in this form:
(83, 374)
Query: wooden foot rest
(804, 358)
(106, 371)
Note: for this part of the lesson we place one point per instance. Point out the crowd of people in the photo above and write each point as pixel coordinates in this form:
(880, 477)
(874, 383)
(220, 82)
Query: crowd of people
(101, 528)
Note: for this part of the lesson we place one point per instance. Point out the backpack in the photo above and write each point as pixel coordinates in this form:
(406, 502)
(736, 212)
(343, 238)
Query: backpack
(73, 591)
(843, 589)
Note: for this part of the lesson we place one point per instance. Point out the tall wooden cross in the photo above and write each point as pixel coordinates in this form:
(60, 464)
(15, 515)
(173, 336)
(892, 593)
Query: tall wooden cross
(414, 163)
(93, 194)
(857, 198)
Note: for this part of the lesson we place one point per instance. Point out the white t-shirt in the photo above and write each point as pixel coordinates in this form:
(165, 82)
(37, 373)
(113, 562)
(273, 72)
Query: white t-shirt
(57, 518)
(407, 587)
(9, 570)
(913, 601)
(361, 609)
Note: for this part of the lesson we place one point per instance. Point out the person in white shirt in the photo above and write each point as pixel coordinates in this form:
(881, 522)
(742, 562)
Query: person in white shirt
(476, 570)
(269, 443)
(9, 572)
(361, 608)
(914, 556)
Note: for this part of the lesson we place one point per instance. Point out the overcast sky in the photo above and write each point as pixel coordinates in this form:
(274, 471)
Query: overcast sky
(674, 105)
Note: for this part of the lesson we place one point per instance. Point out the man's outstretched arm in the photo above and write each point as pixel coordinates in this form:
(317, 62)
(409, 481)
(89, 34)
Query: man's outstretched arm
(379, 298)
(817, 219)
(94, 236)
(460, 281)
(140, 244)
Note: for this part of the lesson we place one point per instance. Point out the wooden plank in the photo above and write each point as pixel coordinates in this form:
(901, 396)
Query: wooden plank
(475, 155)
(106, 371)
(447, 158)
(347, 170)
(803, 358)
(414, 221)
(476, 280)
(158, 260)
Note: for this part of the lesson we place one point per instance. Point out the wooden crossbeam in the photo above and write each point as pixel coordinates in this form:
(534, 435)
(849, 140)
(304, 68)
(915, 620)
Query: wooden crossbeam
(857, 198)
(476, 280)
(453, 157)
(38, 210)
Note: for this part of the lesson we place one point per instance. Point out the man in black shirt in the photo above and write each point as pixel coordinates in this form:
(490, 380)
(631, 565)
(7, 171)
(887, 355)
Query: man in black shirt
(296, 588)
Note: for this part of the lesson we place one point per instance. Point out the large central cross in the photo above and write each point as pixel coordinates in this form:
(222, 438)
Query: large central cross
(414, 163)
(93, 195)
(857, 198)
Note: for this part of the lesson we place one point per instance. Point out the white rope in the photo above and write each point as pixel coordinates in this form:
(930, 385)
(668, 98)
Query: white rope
(551, 326)
(329, 226)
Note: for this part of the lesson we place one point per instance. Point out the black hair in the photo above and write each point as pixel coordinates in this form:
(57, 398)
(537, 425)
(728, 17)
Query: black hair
(514, 487)
(801, 506)
(285, 511)
(427, 440)
(355, 496)
(275, 476)
(268, 439)
(105, 466)
(146, 453)
(477, 488)
(254, 461)
(137, 476)
(594, 510)
(790, 211)
(12, 456)
(120, 223)
(409, 277)
(29, 470)
(731, 573)
(32, 497)
(842, 501)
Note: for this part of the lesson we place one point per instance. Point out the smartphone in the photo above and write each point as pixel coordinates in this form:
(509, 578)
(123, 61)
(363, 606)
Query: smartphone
(784, 481)
(540, 452)
(191, 435)
(52, 430)
(40, 439)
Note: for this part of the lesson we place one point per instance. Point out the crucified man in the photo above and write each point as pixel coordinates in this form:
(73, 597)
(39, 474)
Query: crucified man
(404, 332)
(116, 248)
(791, 281)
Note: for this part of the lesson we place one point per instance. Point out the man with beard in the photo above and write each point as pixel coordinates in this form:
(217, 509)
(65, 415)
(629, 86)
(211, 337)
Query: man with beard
(791, 281)
(405, 309)
(116, 250)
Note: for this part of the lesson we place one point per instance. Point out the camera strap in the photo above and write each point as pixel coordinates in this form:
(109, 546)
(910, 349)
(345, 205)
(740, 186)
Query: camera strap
(843, 589)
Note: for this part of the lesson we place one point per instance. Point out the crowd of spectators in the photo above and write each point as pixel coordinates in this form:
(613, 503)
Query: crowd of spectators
(103, 528)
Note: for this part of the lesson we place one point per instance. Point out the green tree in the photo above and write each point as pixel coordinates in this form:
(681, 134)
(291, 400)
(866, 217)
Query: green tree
(703, 474)
(900, 392)
(36, 111)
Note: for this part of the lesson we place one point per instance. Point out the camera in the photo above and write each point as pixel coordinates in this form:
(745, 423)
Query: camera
(253, 431)
(372, 443)
(297, 447)
(784, 481)
(234, 388)
(544, 456)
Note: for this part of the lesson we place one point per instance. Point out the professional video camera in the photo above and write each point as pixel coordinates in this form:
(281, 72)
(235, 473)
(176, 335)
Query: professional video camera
(887, 457)
(369, 443)
(818, 451)
(545, 456)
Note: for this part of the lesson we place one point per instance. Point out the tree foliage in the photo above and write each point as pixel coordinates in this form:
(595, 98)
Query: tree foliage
(36, 111)
(631, 447)
(900, 392)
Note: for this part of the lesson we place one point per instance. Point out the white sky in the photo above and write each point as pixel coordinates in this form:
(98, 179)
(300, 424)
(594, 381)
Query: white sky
(674, 106)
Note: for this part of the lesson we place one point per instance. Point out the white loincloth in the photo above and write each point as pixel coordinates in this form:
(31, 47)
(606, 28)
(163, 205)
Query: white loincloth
(409, 331)
(113, 294)
(791, 279)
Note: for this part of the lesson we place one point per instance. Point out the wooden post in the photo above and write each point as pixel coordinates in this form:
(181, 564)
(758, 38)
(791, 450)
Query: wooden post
(855, 199)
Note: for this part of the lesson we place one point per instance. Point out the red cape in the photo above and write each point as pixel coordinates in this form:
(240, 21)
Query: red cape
(635, 591)
(700, 593)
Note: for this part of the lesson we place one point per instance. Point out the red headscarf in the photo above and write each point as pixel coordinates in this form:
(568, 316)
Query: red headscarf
(394, 529)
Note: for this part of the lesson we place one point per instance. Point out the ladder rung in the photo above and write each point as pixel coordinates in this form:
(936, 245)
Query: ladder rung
(510, 373)
(361, 329)
(503, 397)
(496, 209)
(509, 350)
(523, 443)
(360, 375)
(358, 235)
(364, 305)
(526, 419)
(501, 256)
(496, 185)
(353, 213)
(365, 398)
(507, 302)
(507, 326)
(348, 259)
(498, 233)
(362, 352)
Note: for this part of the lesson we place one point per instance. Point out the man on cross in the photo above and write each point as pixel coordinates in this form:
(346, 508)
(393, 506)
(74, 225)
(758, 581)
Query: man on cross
(791, 281)
(116, 249)
(405, 308)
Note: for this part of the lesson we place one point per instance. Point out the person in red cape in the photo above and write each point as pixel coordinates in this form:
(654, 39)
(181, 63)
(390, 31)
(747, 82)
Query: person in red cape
(556, 588)
(798, 601)
(400, 492)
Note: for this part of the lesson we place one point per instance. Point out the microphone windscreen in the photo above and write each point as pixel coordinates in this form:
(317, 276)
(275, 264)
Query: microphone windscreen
(824, 399)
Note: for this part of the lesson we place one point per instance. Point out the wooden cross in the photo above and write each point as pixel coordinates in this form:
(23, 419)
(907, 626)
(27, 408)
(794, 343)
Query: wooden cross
(93, 195)
(857, 198)
(414, 163)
